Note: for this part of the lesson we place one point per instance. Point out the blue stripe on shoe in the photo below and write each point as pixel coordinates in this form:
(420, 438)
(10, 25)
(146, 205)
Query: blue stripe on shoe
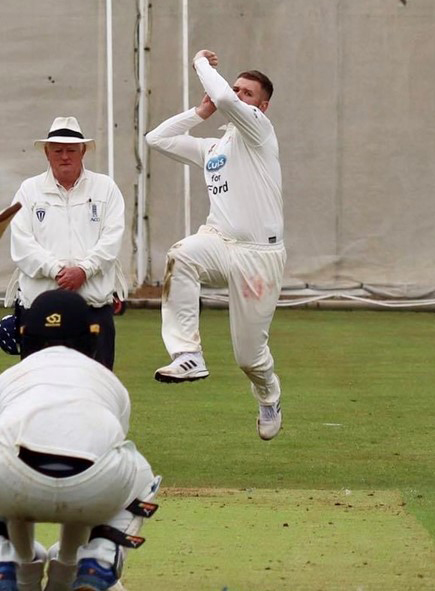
(8, 577)
(91, 576)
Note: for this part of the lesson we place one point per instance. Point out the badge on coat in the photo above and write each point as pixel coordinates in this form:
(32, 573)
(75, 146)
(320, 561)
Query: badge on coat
(40, 214)
(94, 213)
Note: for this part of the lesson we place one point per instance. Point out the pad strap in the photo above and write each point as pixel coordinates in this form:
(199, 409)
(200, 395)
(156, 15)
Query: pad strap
(142, 508)
(115, 535)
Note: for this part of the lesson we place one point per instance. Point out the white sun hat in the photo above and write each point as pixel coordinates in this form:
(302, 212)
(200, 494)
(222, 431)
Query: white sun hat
(65, 130)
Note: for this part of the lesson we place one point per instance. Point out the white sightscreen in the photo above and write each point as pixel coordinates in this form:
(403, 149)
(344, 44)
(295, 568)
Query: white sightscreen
(53, 63)
(353, 110)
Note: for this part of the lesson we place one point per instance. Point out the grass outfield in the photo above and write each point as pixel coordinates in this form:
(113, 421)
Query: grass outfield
(344, 498)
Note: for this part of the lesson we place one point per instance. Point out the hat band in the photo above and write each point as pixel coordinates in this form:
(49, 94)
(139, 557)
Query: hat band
(65, 133)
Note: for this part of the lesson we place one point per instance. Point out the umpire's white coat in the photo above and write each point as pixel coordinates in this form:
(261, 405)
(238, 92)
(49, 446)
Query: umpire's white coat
(241, 246)
(56, 228)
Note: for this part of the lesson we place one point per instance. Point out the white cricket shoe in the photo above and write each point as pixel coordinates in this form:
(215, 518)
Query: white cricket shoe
(269, 420)
(186, 367)
(269, 417)
(59, 575)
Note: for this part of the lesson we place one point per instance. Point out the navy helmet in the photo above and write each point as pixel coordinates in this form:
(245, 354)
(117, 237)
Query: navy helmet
(8, 335)
(58, 317)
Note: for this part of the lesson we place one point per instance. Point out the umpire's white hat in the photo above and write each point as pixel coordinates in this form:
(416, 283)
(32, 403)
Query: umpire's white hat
(65, 130)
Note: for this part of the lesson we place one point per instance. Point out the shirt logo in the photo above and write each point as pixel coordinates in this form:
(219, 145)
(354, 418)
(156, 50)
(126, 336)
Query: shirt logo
(216, 163)
(94, 215)
(40, 214)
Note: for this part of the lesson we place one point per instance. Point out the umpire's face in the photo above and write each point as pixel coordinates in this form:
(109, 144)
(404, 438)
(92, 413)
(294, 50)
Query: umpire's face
(65, 161)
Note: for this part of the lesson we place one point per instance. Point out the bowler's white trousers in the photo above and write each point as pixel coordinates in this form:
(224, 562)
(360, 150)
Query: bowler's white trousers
(253, 274)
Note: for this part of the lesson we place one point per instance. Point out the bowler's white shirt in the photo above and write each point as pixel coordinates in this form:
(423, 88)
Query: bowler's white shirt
(59, 401)
(241, 169)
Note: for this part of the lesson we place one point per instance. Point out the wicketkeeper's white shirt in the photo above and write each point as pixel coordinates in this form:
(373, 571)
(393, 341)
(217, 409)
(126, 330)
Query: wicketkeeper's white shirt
(59, 401)
(241, 169)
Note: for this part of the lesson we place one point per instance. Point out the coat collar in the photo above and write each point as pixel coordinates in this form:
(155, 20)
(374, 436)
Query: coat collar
(50, 184)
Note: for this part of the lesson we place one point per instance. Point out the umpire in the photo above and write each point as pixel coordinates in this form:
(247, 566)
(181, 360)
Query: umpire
(68, 233)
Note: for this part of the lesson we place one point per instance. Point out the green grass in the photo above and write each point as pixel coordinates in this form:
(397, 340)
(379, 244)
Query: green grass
(358, 405)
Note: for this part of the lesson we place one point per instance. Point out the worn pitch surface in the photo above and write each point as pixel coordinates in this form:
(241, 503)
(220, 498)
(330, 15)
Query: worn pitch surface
(270, 540)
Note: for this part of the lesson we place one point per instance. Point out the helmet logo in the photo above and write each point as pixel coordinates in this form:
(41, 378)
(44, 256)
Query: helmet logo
(53, 320)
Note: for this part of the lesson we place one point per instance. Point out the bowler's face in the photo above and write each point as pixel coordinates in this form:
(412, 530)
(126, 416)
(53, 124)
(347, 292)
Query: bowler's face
(250, 92)
(65, 160)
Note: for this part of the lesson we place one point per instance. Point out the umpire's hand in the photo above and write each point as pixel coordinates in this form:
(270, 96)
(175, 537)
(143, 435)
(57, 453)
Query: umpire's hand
(71, 278)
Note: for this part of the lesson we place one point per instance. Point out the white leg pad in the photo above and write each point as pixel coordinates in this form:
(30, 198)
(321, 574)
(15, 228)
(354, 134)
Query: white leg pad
(7, 551)
(105, 551)
(117, 587)
(60, 575)
(29, 574)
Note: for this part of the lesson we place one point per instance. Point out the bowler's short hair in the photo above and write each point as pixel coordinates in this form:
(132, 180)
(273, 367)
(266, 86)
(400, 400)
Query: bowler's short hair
(265, 82)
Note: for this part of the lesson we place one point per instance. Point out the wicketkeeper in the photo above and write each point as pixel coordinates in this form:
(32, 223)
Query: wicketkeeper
(64, 457)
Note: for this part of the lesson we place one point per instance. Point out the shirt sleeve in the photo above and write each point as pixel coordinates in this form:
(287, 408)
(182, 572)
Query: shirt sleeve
(102, 256)
(125, 407)
(112, 392)
(171, 138)
(5, 380)
(254, 126)
(29, 256)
